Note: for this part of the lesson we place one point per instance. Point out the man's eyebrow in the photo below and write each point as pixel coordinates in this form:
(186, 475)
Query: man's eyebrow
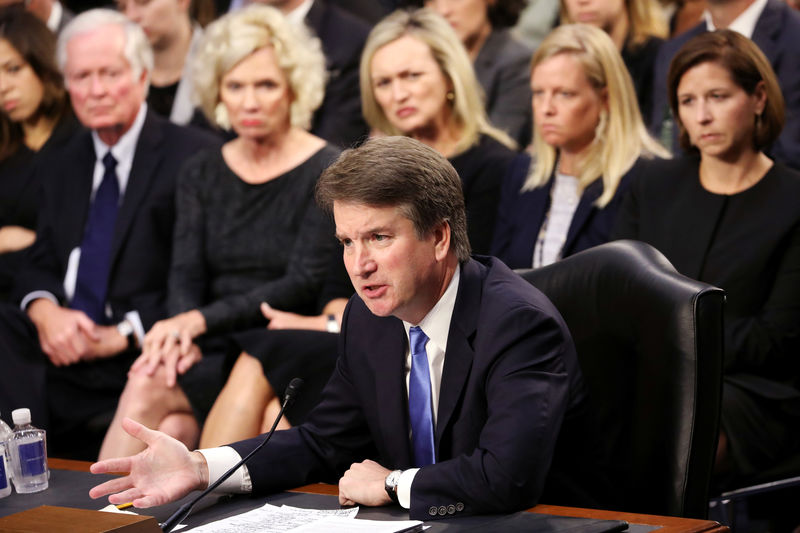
(371, 231)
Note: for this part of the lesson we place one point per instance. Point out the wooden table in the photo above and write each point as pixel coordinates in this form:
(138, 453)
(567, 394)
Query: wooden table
(666, 524)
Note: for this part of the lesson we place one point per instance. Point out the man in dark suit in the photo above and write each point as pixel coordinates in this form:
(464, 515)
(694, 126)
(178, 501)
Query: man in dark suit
(775, 28)
(457, 382)
(95, 279)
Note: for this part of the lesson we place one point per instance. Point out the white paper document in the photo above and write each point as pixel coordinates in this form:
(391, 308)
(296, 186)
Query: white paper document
(273, 519)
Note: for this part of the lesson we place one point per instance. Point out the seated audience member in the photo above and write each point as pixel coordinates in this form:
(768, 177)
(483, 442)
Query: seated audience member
(51, 12)
(500, 60)
(95, 277)
(174, 40)
(473, 398)
(338, 120)
(637, 27)
(728, 215)
(417, 80)
(35, 119)
(775, 28)
(588, 141)
(293, 345)
(247, 229)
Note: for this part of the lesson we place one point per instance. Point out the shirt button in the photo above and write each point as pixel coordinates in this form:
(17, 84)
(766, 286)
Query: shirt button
(432, 510)
(442, 510)
(451, 509)
(459, 507)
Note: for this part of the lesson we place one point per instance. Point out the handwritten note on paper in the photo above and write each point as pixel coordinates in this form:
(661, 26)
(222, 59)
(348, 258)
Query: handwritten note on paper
(272, 519)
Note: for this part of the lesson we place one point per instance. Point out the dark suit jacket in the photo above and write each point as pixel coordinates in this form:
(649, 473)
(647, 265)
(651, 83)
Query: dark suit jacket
(777, 34)
(338, 120)
(747, 243)
(510, 382)
(503, 70)
(143, 232)
(520, 215)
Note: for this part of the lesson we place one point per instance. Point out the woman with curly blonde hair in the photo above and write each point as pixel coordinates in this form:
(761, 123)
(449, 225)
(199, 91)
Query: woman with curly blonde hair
(247, 229)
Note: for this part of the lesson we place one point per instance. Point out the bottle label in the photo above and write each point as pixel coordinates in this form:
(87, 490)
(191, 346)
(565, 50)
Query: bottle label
(3, 475)
(32, 459)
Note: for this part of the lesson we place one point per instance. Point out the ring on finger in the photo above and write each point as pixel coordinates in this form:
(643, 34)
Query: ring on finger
(176, 334)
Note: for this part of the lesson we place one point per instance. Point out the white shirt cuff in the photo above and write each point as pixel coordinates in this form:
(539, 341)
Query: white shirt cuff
(219, 461)
(136, 321)
(35, 295)
(404, 487)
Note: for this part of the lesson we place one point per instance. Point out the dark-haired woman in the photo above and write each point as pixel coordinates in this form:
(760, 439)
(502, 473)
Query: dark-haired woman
(729, 216)
(34, 119)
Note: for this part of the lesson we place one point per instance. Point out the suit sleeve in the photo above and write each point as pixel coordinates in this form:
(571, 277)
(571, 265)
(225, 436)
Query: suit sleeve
(510, 102)
(41, 270)
(627, 222)
(505, 226)
(768, 341)
(527, 393)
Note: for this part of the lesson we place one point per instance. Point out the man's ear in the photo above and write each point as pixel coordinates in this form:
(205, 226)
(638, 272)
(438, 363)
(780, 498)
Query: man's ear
(441, 240)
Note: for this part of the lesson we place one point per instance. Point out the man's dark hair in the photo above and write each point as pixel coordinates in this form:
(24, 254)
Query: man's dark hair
(402, 172)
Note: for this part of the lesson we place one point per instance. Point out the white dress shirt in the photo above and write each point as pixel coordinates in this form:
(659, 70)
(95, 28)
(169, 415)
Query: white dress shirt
(123, 151)
(436, 326)
(745, 23)
(564, 198)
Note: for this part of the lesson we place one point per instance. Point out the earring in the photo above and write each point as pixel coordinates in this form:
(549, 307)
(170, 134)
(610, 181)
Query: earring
(221, 116)
(451, 96)
(600, 129)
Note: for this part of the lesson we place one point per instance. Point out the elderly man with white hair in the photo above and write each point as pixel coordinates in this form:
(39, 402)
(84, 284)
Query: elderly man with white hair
(95, 279)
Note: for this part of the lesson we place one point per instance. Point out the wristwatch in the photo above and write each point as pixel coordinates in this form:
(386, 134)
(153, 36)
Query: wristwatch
(391, 484)
(125, 329)
(332, 325)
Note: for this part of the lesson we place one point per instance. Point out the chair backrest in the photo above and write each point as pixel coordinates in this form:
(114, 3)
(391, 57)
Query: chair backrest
(649, 342)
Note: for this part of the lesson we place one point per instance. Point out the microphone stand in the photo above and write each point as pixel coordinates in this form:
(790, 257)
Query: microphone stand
(186, 508)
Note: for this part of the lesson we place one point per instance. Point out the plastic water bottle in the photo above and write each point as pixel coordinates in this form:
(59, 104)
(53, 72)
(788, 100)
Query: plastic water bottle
(28, 454)
(5, 461)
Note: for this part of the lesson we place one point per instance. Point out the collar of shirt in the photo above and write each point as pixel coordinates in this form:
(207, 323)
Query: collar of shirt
(436, 326)
(745, 23)
(298, 15)
(123, 152)
(55, 16)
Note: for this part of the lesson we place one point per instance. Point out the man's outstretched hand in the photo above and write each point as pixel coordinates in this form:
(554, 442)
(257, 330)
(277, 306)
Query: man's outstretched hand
(163, 472)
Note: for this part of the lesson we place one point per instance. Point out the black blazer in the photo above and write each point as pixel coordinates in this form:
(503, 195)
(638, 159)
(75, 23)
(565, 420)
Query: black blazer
(747, 243)
(503, 70)
(521, 215)
(338, 120)
(143, 233)
(510, 382)
(777, 34)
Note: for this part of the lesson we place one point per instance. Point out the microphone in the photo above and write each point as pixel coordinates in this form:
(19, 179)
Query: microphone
(288, 399)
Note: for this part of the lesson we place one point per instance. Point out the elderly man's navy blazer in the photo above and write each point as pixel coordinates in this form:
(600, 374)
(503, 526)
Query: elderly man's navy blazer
(520, 215)
(777, 34)
(509, 384)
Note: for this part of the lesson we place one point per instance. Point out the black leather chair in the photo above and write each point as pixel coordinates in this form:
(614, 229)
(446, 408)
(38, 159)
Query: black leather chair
(649, 342)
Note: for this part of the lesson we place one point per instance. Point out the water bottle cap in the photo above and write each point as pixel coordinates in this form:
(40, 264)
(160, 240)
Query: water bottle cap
(21, 416)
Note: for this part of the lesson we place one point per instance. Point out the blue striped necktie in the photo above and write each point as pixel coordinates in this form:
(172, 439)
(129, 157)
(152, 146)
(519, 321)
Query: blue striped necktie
(420, 407)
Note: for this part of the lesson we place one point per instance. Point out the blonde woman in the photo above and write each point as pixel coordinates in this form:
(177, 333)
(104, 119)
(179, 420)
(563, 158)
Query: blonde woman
(637, 27)
(588, 141)
(417, 80)
(247, 229)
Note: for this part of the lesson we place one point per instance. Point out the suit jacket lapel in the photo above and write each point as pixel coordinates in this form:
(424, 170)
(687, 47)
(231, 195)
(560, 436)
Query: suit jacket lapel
(459, 353)
(389, 365)
(149, 151)
(582, 212)
(768, 28)
(77, 192)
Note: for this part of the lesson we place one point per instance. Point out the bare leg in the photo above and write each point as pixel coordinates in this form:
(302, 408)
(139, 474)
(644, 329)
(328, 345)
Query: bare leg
(149, 401)
(240, 408)
(270, 412)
